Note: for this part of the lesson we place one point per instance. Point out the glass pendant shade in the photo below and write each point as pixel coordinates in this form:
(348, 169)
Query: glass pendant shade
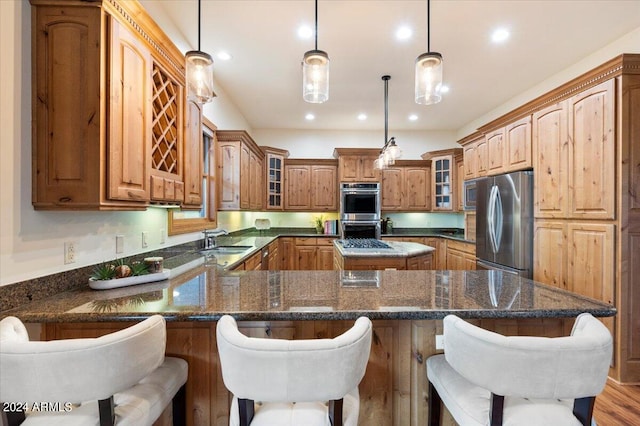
(315, 77)
(428, 84)
(199, 69)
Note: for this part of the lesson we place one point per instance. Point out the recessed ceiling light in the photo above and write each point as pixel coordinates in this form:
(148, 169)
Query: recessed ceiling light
(224, 56)
(305, 32)
(362, 117)
(404, 33)
(500, 35)
(413, 117)
(444, 88)
(309, 117)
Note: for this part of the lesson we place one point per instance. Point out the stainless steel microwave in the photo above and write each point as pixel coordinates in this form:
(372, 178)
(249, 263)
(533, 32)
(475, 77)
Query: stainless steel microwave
(470, 193)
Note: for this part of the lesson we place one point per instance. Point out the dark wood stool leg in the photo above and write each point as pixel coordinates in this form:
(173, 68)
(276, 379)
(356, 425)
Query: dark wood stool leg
(107, 411)
(496, 409)
(13, 418)
(335, 412)
(179, 407)
(245, 406)
(583, 409)
(435, 406)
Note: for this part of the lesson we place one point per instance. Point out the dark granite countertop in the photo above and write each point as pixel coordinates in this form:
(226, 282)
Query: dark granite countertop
(207, 292)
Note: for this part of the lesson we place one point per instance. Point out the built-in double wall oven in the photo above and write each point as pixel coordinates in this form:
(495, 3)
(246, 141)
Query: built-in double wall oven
(360, 210)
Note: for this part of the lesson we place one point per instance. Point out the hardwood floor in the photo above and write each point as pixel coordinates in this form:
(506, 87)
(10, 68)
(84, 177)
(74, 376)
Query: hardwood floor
(618, 405)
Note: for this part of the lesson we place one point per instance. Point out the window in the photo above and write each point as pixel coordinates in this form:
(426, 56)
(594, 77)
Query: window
(183, 221)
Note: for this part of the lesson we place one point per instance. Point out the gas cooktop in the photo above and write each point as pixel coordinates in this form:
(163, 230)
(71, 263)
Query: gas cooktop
(368, 243)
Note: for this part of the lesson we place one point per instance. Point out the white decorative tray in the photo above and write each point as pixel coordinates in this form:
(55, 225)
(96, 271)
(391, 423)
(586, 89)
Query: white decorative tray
(123, 282)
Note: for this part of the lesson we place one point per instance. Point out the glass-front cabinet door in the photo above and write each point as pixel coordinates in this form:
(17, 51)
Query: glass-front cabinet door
(275, 177)
(442, 182)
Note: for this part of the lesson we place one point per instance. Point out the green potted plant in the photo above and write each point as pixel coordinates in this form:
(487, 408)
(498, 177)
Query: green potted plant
(318, 222)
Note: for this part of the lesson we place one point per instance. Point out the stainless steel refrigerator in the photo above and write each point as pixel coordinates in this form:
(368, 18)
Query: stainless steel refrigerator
(504, 229)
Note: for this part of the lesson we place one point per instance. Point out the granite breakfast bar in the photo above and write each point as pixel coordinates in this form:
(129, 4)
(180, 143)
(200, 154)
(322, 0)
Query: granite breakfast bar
(406, 307)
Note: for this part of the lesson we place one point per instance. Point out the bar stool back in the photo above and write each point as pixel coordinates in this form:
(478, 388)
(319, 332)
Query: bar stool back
(486, 378)
(293, 382)
(123, 376)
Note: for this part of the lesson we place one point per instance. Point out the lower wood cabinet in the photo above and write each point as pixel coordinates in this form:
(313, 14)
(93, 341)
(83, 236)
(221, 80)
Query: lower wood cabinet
(311, 253)
(394, 390)
(461, 255)
(578, 256)
(419, 262)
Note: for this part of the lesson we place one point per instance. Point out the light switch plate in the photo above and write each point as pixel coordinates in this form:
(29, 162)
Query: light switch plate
(145, 239)
(119, 243)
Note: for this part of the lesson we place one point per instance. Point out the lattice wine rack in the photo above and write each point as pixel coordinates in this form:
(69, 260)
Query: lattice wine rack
(166, 107)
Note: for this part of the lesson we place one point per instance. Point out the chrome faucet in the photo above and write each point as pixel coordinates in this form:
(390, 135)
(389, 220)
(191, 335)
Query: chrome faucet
(211, 236)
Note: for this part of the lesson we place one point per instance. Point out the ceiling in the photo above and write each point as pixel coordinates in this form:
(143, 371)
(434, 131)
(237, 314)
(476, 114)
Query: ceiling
(264, 76)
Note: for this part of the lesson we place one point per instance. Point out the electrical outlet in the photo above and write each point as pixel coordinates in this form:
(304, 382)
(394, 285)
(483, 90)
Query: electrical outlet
(145, 238)
(439, 341)
(69, 252)
(163, 238)
(119, 243)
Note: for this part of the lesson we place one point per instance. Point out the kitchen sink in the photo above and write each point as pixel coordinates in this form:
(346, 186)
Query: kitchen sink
(229, 249)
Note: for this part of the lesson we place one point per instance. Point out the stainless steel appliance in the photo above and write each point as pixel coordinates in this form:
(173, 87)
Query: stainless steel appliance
(504, 229)
(360, 210)
(470, 194)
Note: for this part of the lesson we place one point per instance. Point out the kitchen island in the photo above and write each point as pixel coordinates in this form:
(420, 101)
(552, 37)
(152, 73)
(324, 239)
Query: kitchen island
(371, 254)
(405, 306)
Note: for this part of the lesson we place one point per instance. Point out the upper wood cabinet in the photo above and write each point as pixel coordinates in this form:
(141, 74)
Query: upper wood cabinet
(193, 156)
(575, 156)
(311, 185)
(518, 145)
(240, 171)
(274, 175)
(167, 136)
(496, 152)
(475, 156)
(356, 164)
(443, 178)
(406, 186)
(509, 147)
(93, 104)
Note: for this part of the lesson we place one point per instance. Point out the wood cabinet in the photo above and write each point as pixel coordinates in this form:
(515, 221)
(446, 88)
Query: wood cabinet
(576, 156)
(167, 184)
(310, 185)
(440, 253)
(495, 152)
(240, 171)
(474, 156)
(470, 226)
(518, 145)
(443, 179)
(577, 256)
(406, 186)
(274, 177)
(356, 164)
(107, 89)
(193, 156)
(460, 255)
(458, 164)
(309, 253)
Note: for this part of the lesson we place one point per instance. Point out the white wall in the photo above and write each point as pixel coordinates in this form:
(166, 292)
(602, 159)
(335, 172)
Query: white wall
(629, 43)
(320, 143)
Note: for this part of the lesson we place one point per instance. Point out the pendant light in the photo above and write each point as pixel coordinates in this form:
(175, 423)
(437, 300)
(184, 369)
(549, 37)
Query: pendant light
(390, 152)
(199, 69)
(315, 73)
(428, 83)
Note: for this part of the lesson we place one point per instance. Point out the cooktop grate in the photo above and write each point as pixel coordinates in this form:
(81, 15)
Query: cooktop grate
(363, 243)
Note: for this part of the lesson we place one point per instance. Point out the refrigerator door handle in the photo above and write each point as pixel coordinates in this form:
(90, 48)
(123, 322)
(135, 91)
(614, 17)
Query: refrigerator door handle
(497, 232)
(491, 219)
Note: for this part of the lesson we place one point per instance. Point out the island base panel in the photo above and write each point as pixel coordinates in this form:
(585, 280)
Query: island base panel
(393, 391)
